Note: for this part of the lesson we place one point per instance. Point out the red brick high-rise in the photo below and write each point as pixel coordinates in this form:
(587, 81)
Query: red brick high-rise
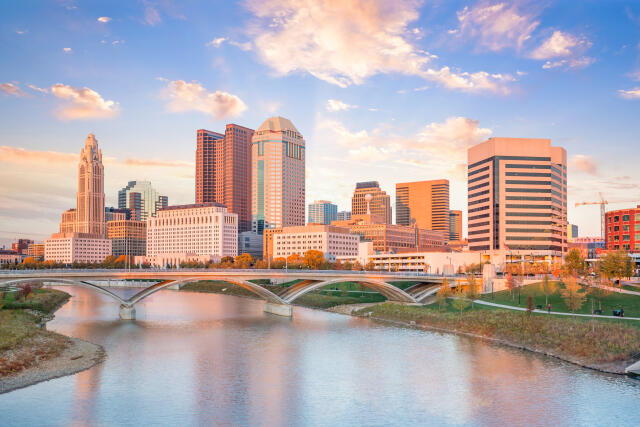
(223, 171)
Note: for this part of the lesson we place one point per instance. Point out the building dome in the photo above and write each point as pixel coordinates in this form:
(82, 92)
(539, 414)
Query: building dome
(277, 123)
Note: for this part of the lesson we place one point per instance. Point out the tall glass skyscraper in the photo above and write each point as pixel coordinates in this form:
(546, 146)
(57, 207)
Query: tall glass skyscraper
(277, 175)
(322, 212)
(142, 199)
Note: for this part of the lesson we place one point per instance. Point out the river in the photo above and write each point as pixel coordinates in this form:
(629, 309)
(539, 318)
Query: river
(206, 359)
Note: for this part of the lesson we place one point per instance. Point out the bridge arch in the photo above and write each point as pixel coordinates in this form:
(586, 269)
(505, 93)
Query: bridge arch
(81, 283)
(391, 292)
(258, 290)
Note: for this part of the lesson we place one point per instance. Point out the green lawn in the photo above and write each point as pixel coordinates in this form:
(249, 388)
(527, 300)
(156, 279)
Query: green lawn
(44, 300)
(613, 301)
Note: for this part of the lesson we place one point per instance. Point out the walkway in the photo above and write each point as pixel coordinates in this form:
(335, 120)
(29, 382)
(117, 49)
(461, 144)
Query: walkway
(510, 307)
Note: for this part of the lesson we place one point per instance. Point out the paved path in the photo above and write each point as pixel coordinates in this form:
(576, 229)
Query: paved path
(619, 290)
(510, 307)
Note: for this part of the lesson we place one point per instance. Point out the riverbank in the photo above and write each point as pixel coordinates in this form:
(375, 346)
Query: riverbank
(30, 354)
(598, 345)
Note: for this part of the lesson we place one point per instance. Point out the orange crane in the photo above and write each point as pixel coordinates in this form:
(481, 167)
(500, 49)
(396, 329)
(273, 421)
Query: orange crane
(602, 204)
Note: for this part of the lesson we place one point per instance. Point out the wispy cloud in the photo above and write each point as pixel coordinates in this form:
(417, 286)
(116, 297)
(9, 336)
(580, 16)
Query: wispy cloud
(559, 45)
(12, 90)
(38, 89)
(82, 103)
(104, 19)
(216, 42)
(157, 163)
(576, 63)
(583, 163)
(334, 105)
(21, 32)
(183, 96)
(22, 156)
(630, 93)
(497, 26)
(67, 50)
(344, 43)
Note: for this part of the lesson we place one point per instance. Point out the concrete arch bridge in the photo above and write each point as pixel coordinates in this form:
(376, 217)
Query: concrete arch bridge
(278, 302)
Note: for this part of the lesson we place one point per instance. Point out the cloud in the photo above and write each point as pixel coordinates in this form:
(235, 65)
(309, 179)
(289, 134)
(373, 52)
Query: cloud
(104, 19)
(12, 89)
(451, 139)
(21, 156)
(630, 93)
(334, 105)
(192, 96)
(38, 89)
(116, 42)
(345, 42)
(157, 163)
(151, 14)
(576, 63)
(82, 103)
(66, 50)
(560, 45)
(496, 26)
(584, 164)
(246, 46)
(21, 32)
(216, 42)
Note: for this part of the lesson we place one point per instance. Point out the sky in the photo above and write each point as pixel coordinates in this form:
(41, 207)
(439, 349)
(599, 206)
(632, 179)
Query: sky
(392, 91)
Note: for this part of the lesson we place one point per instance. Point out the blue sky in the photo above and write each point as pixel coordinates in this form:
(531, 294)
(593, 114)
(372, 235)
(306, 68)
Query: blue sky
(381, 90)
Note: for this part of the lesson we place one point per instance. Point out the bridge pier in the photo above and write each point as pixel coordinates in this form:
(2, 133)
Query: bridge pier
(127, 312)
(278, 309)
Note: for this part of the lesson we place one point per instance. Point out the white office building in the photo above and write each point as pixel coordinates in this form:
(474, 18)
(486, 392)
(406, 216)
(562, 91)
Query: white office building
(330, 240)
(191, 232)
(73, 247)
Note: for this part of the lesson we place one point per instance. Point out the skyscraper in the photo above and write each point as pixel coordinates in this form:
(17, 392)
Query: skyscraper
(343, 215)
(517, 190)
(223, 170)
(455, 225)
(322, 212)
(277, 175)
(369, 198)
(424, 204)
(142, 199)
(82, 234)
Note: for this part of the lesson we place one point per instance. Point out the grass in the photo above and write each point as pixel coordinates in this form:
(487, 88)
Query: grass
(217, 286)
(44, 300)
(22, 342)
(612, 301)
(591, 342)
(324, 301)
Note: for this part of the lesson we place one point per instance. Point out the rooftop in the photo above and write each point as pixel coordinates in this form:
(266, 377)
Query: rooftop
(277, 123)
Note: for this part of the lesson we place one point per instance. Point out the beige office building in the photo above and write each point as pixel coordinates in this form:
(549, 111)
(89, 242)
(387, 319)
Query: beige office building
(517, 196)
(424, 204)
(368, 198)
(331, 241)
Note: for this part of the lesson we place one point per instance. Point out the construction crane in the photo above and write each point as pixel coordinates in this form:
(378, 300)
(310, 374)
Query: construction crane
(602, 204)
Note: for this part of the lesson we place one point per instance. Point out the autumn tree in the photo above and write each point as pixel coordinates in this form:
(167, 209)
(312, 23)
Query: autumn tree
(278, 263)
(243, 261)
(443, 293)
(313, 259)
(460, 299)
(572, 295)
(294, 261)
(370, 266)
(616, 265)
(547, 287)
(574, 262)
(510, 283)
(473, 289)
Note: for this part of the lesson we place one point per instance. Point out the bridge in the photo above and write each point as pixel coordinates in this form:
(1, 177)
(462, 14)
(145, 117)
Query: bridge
(278, 302)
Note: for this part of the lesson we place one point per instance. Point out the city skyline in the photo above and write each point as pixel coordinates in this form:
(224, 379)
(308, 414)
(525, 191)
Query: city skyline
(561, 73)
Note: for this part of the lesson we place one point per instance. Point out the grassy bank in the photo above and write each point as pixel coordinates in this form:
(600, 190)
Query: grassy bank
(611, 301)
(600, 345)
(22, 342)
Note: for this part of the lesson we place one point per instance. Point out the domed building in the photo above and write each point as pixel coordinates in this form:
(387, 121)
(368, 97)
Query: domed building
(277, 175)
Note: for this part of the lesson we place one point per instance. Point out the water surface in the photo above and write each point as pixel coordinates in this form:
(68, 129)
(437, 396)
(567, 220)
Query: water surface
(206, 359)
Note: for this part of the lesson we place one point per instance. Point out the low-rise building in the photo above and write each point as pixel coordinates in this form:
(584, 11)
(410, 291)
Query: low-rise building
(21, 246)
(8, 256)
(180, 233)
(76, 247)
(330, 240)
(36, 250)
(128, 237)
(250, 242)
(622, 229)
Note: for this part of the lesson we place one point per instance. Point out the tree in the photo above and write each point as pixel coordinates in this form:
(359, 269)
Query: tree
(294, 261)
(370, 266)
(529, 304)
(597, 291)
(473, 288)
(278, 263)
(313, 259)
(547, 287)
(443, 293)
(616, 265)
(30, 261)
(356, 266)
(460, 299)
(243, 261)
(572, 295)
(510, 283)
(261, 264)
(574, 262)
